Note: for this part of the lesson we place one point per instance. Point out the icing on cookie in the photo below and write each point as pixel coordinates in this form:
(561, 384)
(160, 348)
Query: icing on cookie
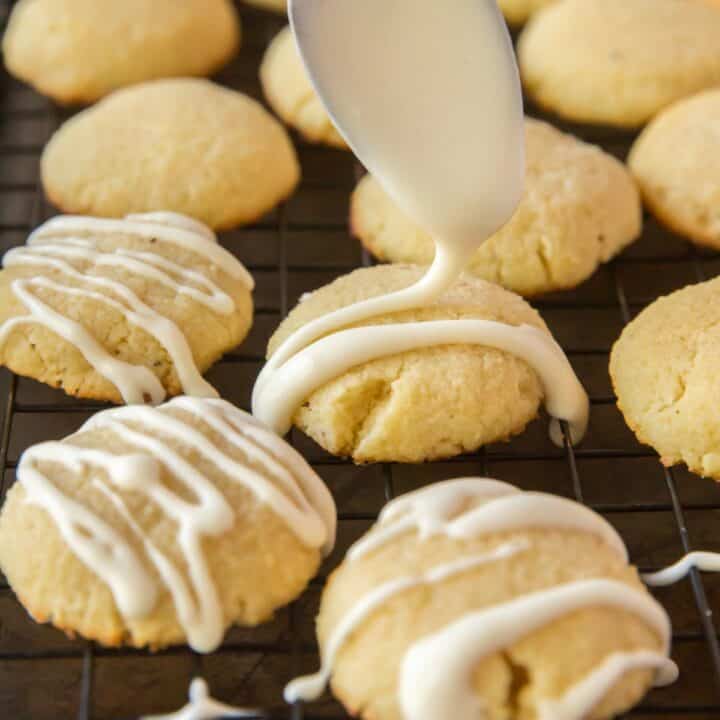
(435, 672)
(424, 167)
(66, 241)
(203, 707)
(271, 470)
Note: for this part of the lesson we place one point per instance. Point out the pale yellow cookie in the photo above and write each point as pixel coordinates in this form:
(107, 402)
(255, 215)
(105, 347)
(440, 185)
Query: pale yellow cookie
(156, 526)
(519, 11)
(184, 145)
(619, 62)
(580, 209)
(291, 95)
(665, 372)
(449, 567)
(129, 310)
(424, 404)
(276, 5)
(676, 161)
(79, 50)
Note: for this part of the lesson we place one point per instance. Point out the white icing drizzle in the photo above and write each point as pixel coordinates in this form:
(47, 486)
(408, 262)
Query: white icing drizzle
(203, 707)
(435, 675)
(312, 686)
(436, 672)
(470, 202)
(294, 492)
(704, 561)
(64, 239)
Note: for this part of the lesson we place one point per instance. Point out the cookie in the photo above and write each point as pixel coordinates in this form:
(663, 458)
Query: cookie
(276, 5)
(619, 62)
(290, 93)
(184, 145)
(580, 209)
(155, 526)
(77, 51)
(434, 399)
(518, 12)
(665, 374)
(471, 594)
(122, 310)
(676, 162)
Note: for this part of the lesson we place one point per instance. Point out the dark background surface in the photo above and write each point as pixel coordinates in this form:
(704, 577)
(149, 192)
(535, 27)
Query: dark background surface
(661, 514)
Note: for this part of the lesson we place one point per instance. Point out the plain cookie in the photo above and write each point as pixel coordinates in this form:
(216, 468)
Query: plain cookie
(619, 62)
(184, 145)
(425, 404)
(122, 310)
(453, 601)
(79, 50)
(580, 209)
(676, 162)
(665, 370)
(156, 526)
(291, 95)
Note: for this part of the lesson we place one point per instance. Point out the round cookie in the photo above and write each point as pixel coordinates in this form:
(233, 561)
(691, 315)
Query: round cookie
(156, 526)
(518, 12)
(424, 404)
(276, 5)
(471, 594)
(291, 95)
(79, 50)
(122, 310)
(664, 369)
(599, 62)
(184, 145)
(683, 188)
(580, 208)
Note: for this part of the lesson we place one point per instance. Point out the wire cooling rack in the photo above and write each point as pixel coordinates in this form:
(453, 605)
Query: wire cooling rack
(660, 513)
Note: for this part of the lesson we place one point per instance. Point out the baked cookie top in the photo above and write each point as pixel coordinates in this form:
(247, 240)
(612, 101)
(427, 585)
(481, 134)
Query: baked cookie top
(664, 369)
(419, 385)
(580, 208)
(185, 145)
(122, 310)
(683, 187)
(76, 51)
(471, 593)
(154, 526)
(619, 62)
(291, 95)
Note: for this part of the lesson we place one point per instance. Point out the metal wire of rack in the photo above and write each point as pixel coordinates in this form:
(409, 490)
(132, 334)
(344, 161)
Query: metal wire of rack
(660, 513)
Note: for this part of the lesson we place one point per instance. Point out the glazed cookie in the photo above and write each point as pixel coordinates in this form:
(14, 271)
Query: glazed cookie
(156, 526)
(79, 50)
(683, 188)
(276, 5)
(472, 594)
(122, 310)
(598, 62)
(519, 11)
(580, 208)
(447, 388)
(184, 145)
(664, 369)
(289, 92)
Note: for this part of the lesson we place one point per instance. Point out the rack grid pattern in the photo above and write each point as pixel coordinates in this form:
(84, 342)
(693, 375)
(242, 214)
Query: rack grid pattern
(661, 513)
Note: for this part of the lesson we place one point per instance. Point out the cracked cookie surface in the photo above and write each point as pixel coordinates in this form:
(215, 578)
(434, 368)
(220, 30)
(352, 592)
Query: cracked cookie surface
(183, 144)
(664, 370)
(77, 51)
(290, 93)
(683, 188)
(424, 404)
(580, 208)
